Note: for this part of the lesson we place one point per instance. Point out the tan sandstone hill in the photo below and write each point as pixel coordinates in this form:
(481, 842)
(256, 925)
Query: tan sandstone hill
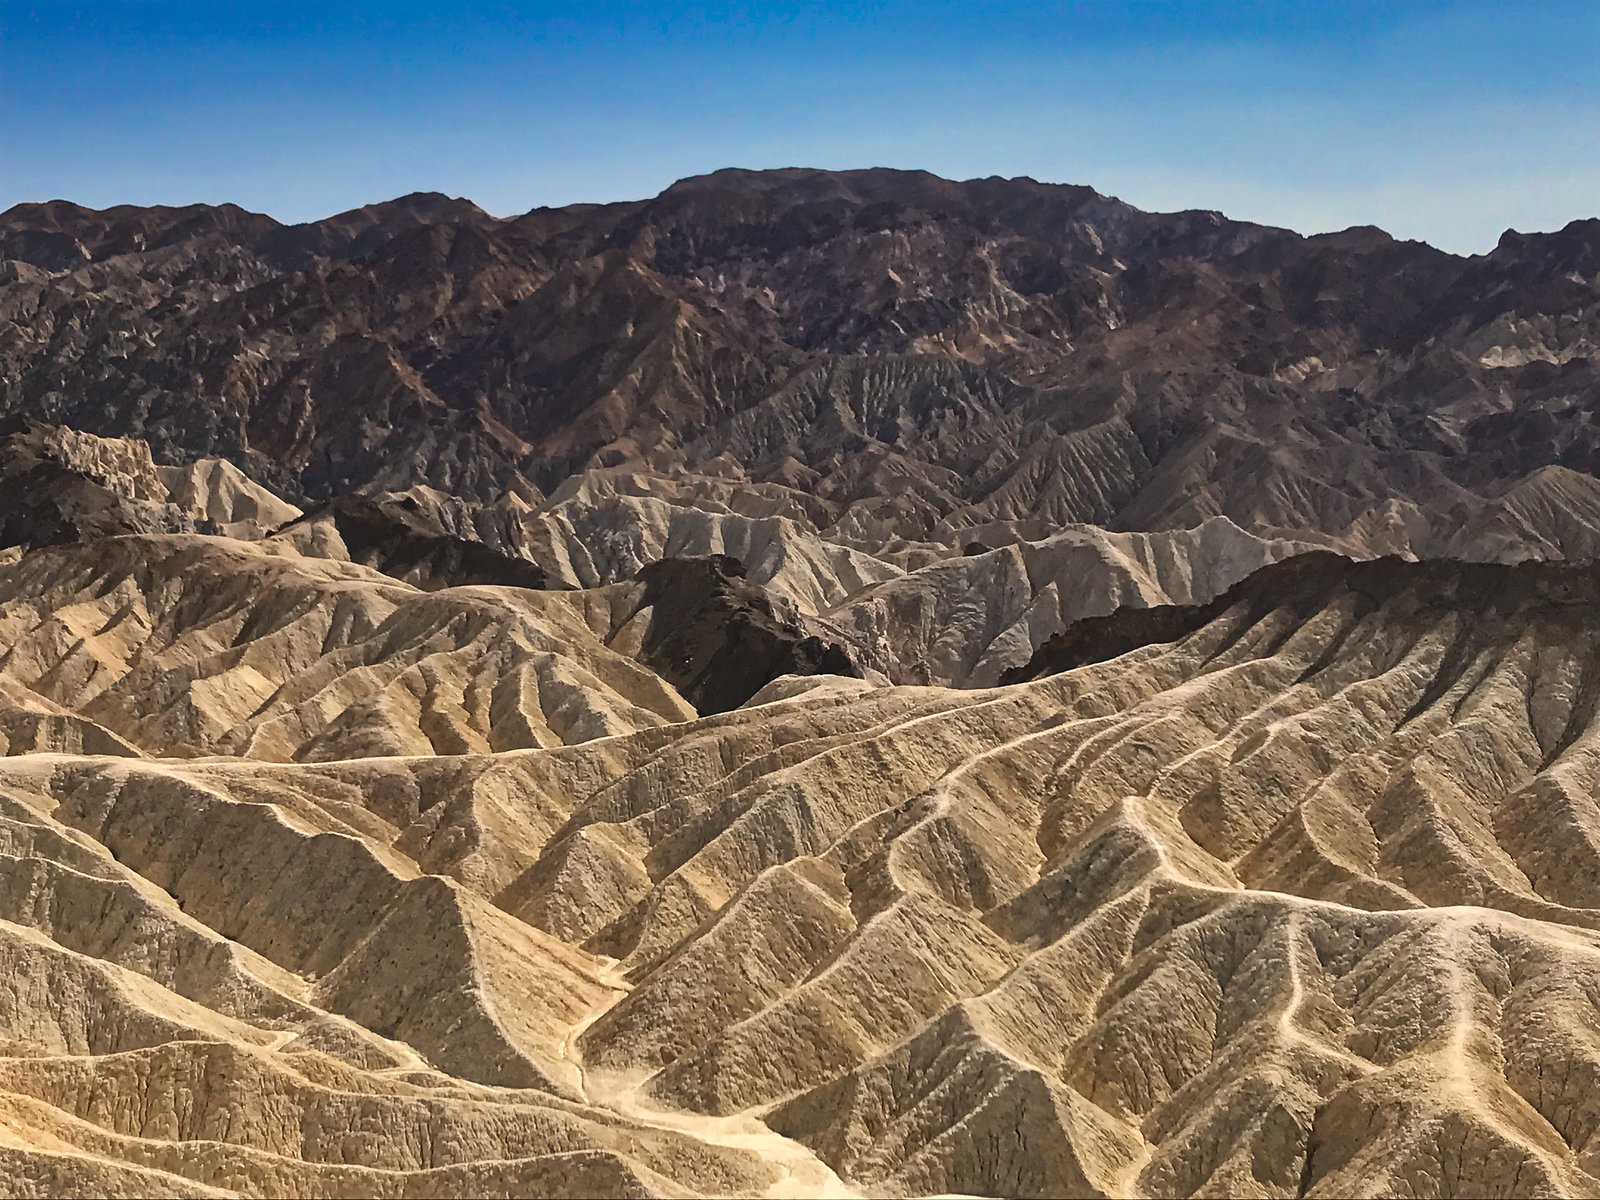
(1291, 893)
(187, 645)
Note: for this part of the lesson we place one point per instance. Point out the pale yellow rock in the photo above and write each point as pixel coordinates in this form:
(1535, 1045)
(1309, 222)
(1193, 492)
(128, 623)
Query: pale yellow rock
(1303, 902)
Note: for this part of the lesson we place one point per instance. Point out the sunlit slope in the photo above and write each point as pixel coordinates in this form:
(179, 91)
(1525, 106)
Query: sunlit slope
(1297, 898)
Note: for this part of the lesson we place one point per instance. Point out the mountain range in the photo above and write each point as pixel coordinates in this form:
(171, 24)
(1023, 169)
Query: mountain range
(815, 683)
(913, 354)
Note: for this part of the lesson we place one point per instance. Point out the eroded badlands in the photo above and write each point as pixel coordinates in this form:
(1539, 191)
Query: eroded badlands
(318, 884)
(810, 684)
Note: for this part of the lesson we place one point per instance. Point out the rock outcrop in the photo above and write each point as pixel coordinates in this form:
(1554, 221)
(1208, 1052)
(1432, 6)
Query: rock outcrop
(60, 485)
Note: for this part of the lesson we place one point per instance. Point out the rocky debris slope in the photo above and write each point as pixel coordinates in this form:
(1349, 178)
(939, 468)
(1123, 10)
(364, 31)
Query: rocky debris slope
(1287, 894)
(61, 485)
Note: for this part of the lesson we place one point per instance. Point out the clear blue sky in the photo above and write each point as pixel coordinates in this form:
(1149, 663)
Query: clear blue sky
(1448, 121)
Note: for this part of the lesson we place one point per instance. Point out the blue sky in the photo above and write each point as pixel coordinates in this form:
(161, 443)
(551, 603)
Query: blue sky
(1447, 121)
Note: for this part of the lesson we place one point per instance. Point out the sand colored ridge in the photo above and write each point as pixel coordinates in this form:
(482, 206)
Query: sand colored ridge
(1296, 900)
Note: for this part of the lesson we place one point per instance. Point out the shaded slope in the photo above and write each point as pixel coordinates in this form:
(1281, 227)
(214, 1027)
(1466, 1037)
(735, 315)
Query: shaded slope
(720, 640)
(401, 536)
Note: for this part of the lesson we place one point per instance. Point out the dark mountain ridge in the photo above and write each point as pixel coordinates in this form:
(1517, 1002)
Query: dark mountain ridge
(1006, 349)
